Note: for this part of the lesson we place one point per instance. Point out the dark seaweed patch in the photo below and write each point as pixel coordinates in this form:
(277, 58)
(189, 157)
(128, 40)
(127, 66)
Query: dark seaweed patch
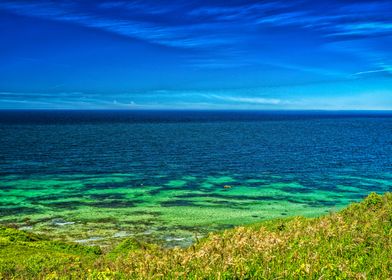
(222, 227)
(186, 187)
(178, 202)
(139, 223)
(163, 189)
(5, 204)
(186, 228)
(223, 202)
(74, 204)
(191, 195)
(103, 220)
(8, 211)
(357, 196)
(154, 214)
(39, 199)
(114, 203)
(236, 197)
(104, 186)
(258, 217)
(227, 204)
(295, 190)
(287, 198)
(320, 203)
(107, 196)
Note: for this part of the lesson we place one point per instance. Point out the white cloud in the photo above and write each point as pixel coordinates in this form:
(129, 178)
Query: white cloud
(249, 100)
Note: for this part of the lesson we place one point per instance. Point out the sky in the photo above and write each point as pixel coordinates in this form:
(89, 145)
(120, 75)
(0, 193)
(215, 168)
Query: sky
(251, 55)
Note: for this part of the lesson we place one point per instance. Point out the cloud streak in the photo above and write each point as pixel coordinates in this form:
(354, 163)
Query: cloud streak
(208, 24)
(249, 100)
(229, 99)
(185, 36)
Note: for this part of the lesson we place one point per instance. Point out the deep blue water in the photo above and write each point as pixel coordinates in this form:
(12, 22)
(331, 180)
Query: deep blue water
(196, 142)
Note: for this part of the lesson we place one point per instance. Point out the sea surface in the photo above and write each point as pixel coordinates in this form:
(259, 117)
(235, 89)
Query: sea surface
(98, 176)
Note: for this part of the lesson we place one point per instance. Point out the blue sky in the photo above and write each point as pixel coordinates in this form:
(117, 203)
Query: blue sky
(196, 54)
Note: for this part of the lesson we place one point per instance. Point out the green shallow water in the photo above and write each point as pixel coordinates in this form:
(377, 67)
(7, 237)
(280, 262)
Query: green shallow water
(100, 209)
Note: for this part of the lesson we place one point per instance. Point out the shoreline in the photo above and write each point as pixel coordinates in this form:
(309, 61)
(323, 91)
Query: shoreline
(352, 242)
(107, 206)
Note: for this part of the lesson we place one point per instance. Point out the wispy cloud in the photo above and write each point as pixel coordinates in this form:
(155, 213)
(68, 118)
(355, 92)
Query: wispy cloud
(363, 28)
(381, 68)
(186, 35)
(249, 100)
(203, 25)
(138, 6)
(371, 72)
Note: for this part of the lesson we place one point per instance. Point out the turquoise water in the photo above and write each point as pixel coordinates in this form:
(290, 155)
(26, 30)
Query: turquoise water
(95, 177)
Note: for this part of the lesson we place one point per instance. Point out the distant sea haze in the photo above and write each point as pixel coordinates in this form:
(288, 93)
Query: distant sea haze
(97, 175)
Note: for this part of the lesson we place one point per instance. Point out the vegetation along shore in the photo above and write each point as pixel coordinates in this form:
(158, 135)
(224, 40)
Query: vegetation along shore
(355, 243)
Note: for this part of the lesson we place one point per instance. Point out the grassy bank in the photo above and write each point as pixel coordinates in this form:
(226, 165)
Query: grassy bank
(355, 243)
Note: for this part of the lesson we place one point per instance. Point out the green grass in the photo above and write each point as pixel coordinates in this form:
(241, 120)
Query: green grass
(355, 243)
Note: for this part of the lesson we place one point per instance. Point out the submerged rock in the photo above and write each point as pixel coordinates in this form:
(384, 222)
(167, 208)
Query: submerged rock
(26, 228)
(61, 222)
(121, 234)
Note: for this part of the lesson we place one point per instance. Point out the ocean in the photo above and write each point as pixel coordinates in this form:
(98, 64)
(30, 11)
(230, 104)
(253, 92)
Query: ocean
(174, 176)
